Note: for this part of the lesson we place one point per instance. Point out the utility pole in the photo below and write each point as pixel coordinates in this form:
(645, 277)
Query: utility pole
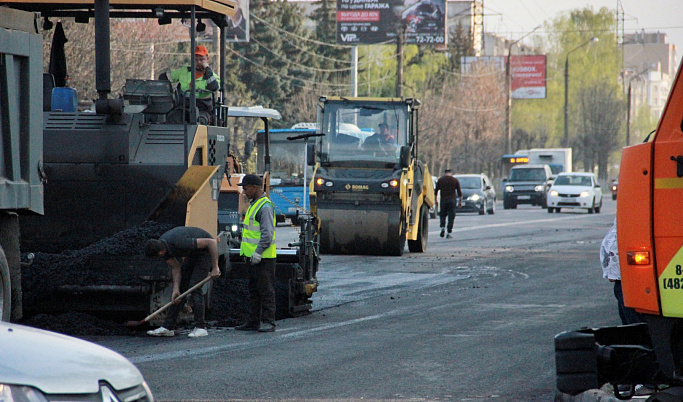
(565, 142)
(508, 92)
(399, 63)
(354, 72)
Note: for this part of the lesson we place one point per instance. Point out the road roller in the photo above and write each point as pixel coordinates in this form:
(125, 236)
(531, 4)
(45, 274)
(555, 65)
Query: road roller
(370, 190)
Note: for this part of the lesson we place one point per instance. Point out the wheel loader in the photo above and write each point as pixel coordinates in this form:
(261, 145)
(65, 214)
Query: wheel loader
(371, 197)
(650, 242)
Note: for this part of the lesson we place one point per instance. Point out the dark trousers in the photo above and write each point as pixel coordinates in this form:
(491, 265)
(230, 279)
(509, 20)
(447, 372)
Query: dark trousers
(447, 210)
(628, 315)
(193, 271)
(262, 291)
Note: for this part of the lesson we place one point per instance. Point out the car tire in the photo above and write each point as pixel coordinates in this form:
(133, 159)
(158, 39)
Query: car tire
(557, 210)
(493, 207)
(550, 210)
(506, 204)
(5, 289)
(483, 209)
(592, 208)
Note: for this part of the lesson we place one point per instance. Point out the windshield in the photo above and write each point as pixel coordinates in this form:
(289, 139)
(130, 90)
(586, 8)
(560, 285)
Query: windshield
(364, 133)
(287, 161)
(469, 182)
(573, 181)
(531, 174)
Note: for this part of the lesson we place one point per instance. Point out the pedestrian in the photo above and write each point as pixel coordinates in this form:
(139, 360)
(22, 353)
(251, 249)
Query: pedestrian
(207, 82)
(192, 254)
(258, 248)
(448, 186)
(609, 258)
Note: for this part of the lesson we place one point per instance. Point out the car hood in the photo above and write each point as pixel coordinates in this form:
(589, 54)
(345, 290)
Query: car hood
(570, 189)
(468, 192)
(523, 183)
(60, 364)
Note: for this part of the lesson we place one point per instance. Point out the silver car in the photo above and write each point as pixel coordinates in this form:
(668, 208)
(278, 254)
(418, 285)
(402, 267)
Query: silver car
(41, 366)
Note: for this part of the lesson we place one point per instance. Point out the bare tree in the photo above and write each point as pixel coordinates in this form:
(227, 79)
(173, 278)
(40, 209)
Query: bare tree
(602, 118)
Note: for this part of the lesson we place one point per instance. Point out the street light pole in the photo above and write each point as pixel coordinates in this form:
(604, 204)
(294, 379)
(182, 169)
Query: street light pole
(508, 92)
(628, 105)
(566, 90)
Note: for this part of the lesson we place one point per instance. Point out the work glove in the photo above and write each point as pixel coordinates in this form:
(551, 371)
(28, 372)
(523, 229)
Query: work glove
(255, 258)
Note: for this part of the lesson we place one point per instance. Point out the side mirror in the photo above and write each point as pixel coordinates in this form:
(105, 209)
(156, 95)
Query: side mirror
(404, 160)
(597, 185)
(310, 153)
(487, 188)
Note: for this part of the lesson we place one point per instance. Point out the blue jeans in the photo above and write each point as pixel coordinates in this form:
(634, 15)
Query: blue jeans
(628, 315)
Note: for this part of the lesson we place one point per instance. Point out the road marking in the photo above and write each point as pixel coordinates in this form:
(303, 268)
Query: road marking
(498, 225)
(212, 350)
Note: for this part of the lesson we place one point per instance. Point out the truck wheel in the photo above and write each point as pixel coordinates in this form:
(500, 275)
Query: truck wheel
(420, 245)
(5, 289)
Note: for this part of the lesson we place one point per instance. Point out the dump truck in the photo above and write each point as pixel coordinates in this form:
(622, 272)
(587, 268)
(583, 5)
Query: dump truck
(650, 242)
(114, 167)
(370, 199)
(21, 164)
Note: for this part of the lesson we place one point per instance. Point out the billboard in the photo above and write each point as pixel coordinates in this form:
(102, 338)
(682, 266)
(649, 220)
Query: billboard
(238, 25)
(368, 22)
(528, 74)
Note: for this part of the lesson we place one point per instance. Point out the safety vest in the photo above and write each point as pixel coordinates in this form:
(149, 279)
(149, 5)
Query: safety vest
(251, 231)
(183, 75)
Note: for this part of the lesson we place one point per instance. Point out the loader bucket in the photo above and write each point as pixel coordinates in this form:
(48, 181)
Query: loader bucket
(192, 201)
(361, 229)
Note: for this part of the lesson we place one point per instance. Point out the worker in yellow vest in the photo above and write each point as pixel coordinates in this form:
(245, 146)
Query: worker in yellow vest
(258, 248)
(206, 82)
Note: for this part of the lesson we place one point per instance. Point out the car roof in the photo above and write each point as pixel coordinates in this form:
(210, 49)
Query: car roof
(528, 166)
(469, 175)
(576, 174)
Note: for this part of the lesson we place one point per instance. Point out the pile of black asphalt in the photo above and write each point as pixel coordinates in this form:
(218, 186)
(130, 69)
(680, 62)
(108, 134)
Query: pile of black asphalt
(50, 272)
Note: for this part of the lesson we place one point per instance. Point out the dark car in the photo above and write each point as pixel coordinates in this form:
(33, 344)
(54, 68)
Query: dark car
(423, 17)
(527, 184)
(478, 194)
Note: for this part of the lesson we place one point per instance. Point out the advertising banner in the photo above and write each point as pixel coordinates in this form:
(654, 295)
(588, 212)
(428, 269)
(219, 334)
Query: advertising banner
(238, 25)
(528, 77)
(368, 22)
(527, 73)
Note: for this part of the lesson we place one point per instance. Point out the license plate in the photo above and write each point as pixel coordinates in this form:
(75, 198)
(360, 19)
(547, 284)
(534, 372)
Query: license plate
(568, 200)
(524, 197)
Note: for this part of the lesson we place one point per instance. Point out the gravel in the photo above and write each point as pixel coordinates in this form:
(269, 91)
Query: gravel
(44, 309)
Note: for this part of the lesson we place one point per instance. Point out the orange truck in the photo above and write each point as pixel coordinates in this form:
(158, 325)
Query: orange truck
(650, 236)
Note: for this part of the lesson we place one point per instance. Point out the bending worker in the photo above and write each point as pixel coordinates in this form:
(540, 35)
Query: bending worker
(192, 255)
(206, 81)
(258, 247)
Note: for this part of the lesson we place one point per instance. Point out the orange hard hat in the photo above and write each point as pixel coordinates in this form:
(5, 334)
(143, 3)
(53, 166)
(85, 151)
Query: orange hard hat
(201, 51)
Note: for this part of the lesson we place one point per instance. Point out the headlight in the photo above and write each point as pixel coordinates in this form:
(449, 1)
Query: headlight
(583, 194)
(614, 188)
(509, 189)
(538, 188)
(15, 393)
(553, 193)
(233, 228)
(474, 197)
(319, 181)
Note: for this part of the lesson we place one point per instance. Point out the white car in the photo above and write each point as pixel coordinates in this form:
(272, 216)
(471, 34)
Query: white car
(41, 366)
(575, 190)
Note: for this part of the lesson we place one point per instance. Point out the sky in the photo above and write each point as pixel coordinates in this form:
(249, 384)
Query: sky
(514, 18)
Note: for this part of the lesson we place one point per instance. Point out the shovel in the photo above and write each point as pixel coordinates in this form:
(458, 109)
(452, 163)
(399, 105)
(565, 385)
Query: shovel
(167, 305)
